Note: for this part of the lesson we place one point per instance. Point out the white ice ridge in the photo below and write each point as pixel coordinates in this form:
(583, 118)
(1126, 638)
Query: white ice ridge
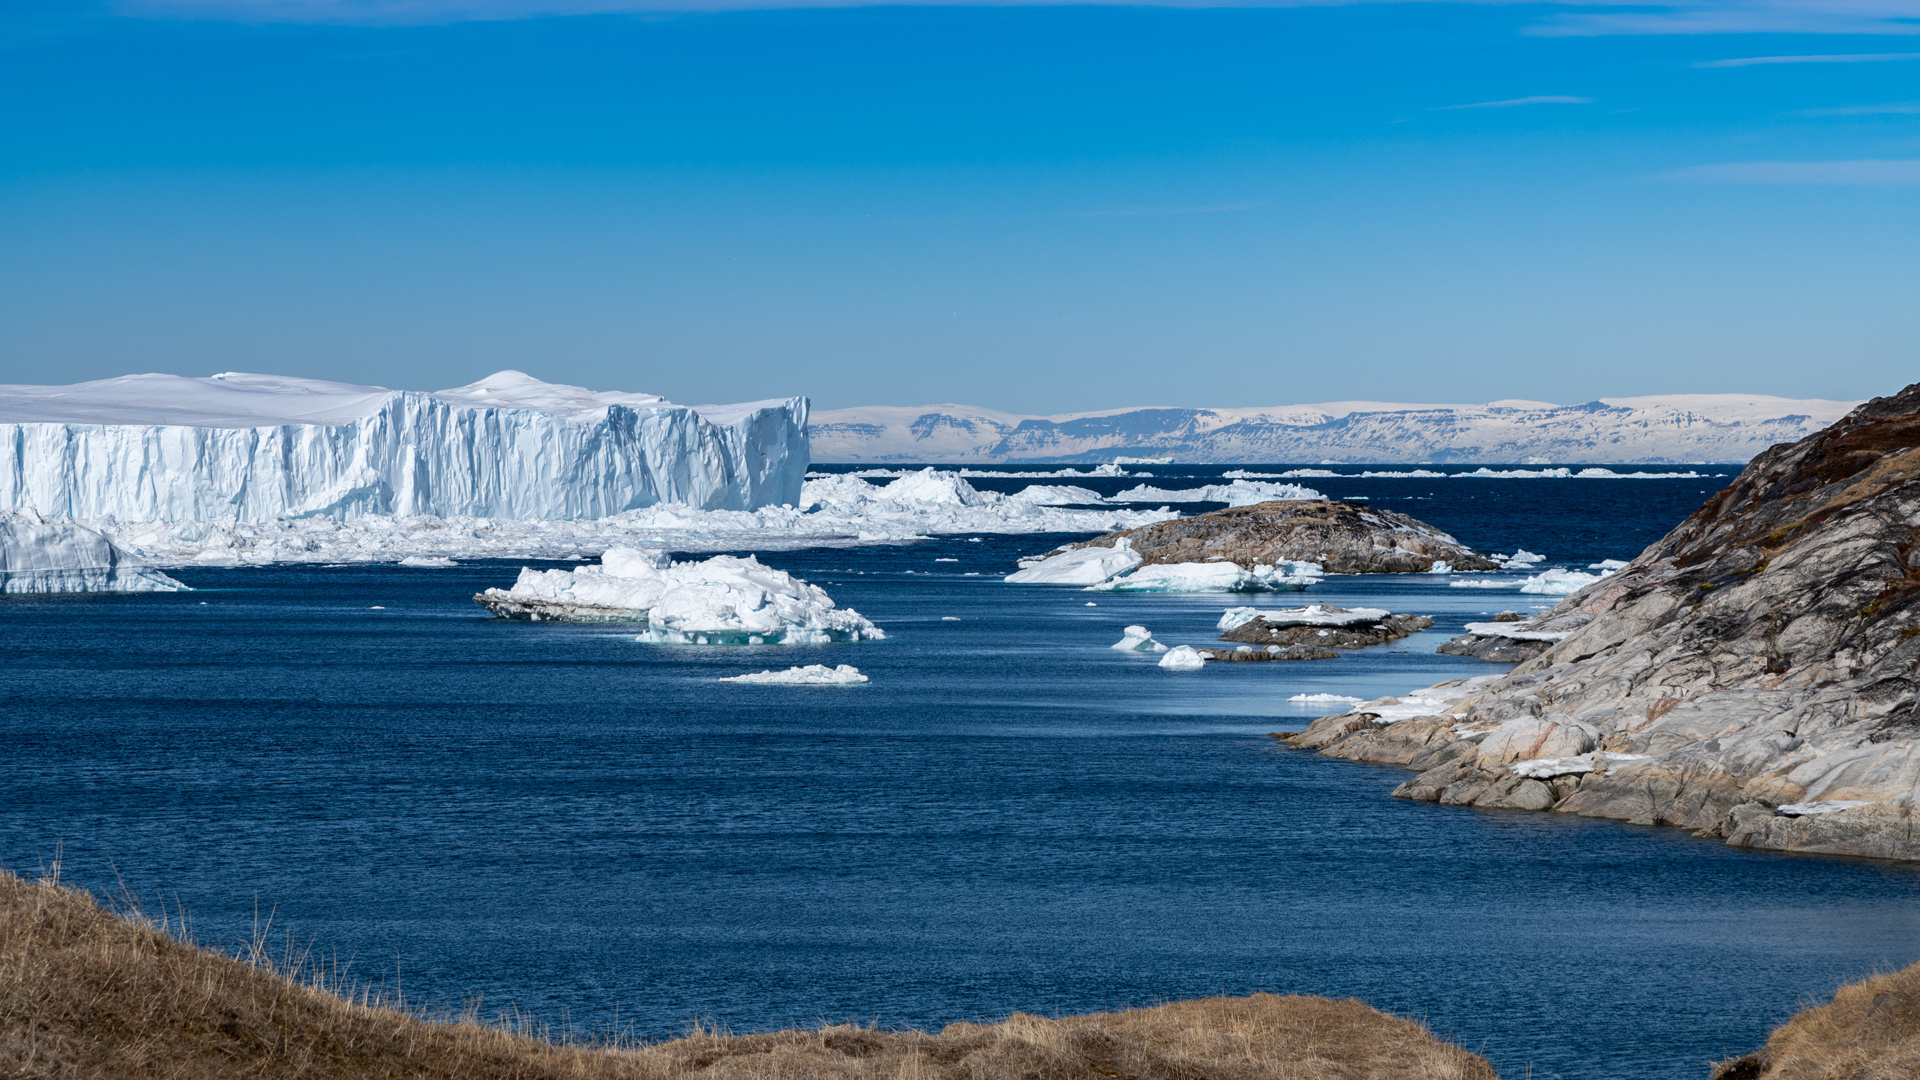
(1826, 806)
(1138, 639)
(724, 600)
(1081, 566)
(1516, 631)
(1116, 568)
(810, 675)
(1325, 699)
(1560, 582)
(1238, 493)
(837, 511)
(1183, 658)
(1548, 768)
(1212, 577)
(1426, 701)
(41, 556)
(1322, 615)
(258, 448)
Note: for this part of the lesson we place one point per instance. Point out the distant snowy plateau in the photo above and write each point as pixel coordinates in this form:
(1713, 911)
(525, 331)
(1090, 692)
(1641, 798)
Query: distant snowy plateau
(1721, 428)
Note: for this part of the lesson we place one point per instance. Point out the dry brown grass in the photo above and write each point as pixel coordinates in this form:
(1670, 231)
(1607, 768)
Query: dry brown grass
(1869, 1031)
(87, 994)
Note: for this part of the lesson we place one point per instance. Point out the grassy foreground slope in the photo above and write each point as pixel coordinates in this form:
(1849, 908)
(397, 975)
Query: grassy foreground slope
(1869, 1031)
(85, 994)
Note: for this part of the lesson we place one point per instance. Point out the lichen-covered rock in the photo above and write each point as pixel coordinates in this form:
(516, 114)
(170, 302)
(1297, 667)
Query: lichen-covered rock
(1260, 632)
(1494, 650)
(1764, 657)
(1344, 538)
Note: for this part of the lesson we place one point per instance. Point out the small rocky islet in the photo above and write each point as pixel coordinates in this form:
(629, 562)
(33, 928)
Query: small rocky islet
(1342, 537)
(1753, 676)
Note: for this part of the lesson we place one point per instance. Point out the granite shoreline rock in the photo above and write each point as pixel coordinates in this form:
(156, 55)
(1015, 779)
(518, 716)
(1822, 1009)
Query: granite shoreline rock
(1753, 676)
(1343, 538)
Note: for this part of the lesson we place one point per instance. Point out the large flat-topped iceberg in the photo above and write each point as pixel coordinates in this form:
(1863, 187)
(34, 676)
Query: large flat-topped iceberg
(239, 447)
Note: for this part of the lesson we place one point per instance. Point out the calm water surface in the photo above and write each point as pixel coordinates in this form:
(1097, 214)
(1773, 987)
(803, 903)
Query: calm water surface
(1011, 816)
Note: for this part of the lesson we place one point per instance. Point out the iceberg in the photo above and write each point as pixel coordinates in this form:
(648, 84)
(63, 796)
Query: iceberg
(1237, 616)
(1138, 639)
(260, 448)
(38, 555)
(810, 675)
(725, 600)
(1183, 658)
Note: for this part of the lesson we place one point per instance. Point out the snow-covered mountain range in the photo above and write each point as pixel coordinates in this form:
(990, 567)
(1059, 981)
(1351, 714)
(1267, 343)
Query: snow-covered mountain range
(1676, 428)
(258, 448)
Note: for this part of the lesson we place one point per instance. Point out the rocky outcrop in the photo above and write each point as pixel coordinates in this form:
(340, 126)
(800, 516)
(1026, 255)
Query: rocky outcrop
(1507, 638)
(1344, 538)
(1754, 675)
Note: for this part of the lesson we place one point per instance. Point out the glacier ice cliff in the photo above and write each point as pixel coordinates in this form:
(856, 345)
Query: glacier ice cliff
(41, 556)
(261, 448)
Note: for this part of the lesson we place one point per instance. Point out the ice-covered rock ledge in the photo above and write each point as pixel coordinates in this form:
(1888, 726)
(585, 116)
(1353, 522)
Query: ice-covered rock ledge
(725, 600)
(1753, 676)
(257, 448)
(42, 556)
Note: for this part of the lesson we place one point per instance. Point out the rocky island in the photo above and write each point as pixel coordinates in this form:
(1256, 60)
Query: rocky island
(1752, 676)
(1340, 537)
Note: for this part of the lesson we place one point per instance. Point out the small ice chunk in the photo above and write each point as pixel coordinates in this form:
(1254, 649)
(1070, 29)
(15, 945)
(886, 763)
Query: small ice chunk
(949, 618)
(1323, 699)
(1824, 806)
(946, 560)
(1440, 566)
(1138, 639)
(1237, 616)
(438, 562)
(1519, 560)
(1183, 658)
(810, 675)
(1484, 583)
(1608, 565)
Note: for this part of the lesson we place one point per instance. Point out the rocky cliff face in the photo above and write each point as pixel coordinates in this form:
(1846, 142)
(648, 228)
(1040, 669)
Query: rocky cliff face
(1754, 675)
(1344, 538)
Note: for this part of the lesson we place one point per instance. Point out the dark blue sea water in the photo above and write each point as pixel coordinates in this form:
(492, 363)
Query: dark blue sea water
(1010, 816)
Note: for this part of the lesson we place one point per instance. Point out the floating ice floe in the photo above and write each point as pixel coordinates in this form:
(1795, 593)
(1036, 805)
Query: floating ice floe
(1325, 699)
(1237, 616)
(436, 562)
(1805, 809)
(38, 555)
(1238, 493)
(1486, 583)
(1212, 577)
(1477, 474)
(810, 675)
(1608, 565)
(1183, 658)
(1138, 639)
(1560, 582)
(1548, 768)
(724, 600)
(1519, 560)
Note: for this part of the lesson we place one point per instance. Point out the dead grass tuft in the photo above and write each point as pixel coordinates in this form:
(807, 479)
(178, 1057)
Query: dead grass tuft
(1869, 1031)
(86, 994)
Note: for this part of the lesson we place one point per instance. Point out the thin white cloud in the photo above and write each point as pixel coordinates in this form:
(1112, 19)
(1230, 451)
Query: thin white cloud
(1670, 17)
(1537, 99)
(1891, 108)
(1823, 58)
(1743, 17)
(1159, 211)
(1865, 172)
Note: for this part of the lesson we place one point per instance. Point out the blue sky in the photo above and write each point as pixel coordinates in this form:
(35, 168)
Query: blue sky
(1034, 208)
